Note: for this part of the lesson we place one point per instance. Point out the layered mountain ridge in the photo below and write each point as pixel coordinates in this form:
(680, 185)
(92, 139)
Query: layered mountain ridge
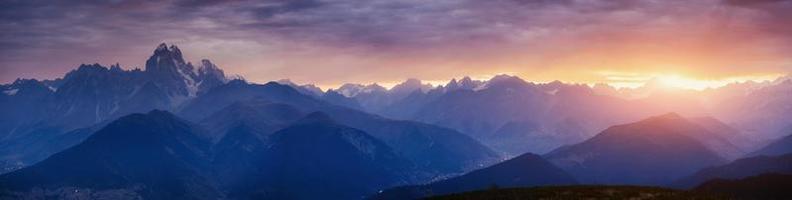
(39, 111)
(159, 156)
(233, 139)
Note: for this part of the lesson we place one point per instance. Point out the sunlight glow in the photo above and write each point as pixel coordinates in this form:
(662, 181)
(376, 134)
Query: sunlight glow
(677, 81)
(683, 82)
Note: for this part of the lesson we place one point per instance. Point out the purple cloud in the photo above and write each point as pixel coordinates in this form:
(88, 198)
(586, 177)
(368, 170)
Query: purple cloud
(278, 38)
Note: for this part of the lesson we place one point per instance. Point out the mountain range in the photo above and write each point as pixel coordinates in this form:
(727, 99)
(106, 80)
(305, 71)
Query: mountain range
(175, 130)
(506, 111)
(42, 111)
(227, 138)
(93, 95)
(160, 156)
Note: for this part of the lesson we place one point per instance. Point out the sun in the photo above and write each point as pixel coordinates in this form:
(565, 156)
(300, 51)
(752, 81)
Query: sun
(682, 82)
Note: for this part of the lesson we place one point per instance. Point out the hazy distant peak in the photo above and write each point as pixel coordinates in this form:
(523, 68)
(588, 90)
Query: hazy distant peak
(465, 83)
(409, 82)
(503, 77)
(308, 89)
(465, 79)
(782, 79)
(353, 89)
(671, 118)
(410, 85)
(555, 83)
(507, 81)
(374, 87)
(668, 116)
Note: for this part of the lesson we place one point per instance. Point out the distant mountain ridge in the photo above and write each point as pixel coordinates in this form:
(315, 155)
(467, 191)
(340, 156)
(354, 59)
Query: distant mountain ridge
(429, 146)
(94, 94)
(779, 147)
(489, 109)
(511, 115)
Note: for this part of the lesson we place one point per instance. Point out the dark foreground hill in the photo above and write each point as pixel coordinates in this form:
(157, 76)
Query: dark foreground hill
(526, 170)
(149, 156)
(765, 186)
(579, 192)
(738, 169)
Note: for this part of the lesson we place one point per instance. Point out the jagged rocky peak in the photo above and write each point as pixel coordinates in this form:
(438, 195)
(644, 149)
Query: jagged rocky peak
(24, 86)
(116, 68)
(465, 83)
(86, 71)
(208, 70)
(171, 52)
(207, 66)
(168, 59)
(91, 67)
(167, 68)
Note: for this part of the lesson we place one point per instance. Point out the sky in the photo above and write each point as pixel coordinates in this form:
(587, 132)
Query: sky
(331, 42)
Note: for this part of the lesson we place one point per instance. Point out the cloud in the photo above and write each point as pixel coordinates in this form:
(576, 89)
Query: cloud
(387, 40)
(753, 2)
